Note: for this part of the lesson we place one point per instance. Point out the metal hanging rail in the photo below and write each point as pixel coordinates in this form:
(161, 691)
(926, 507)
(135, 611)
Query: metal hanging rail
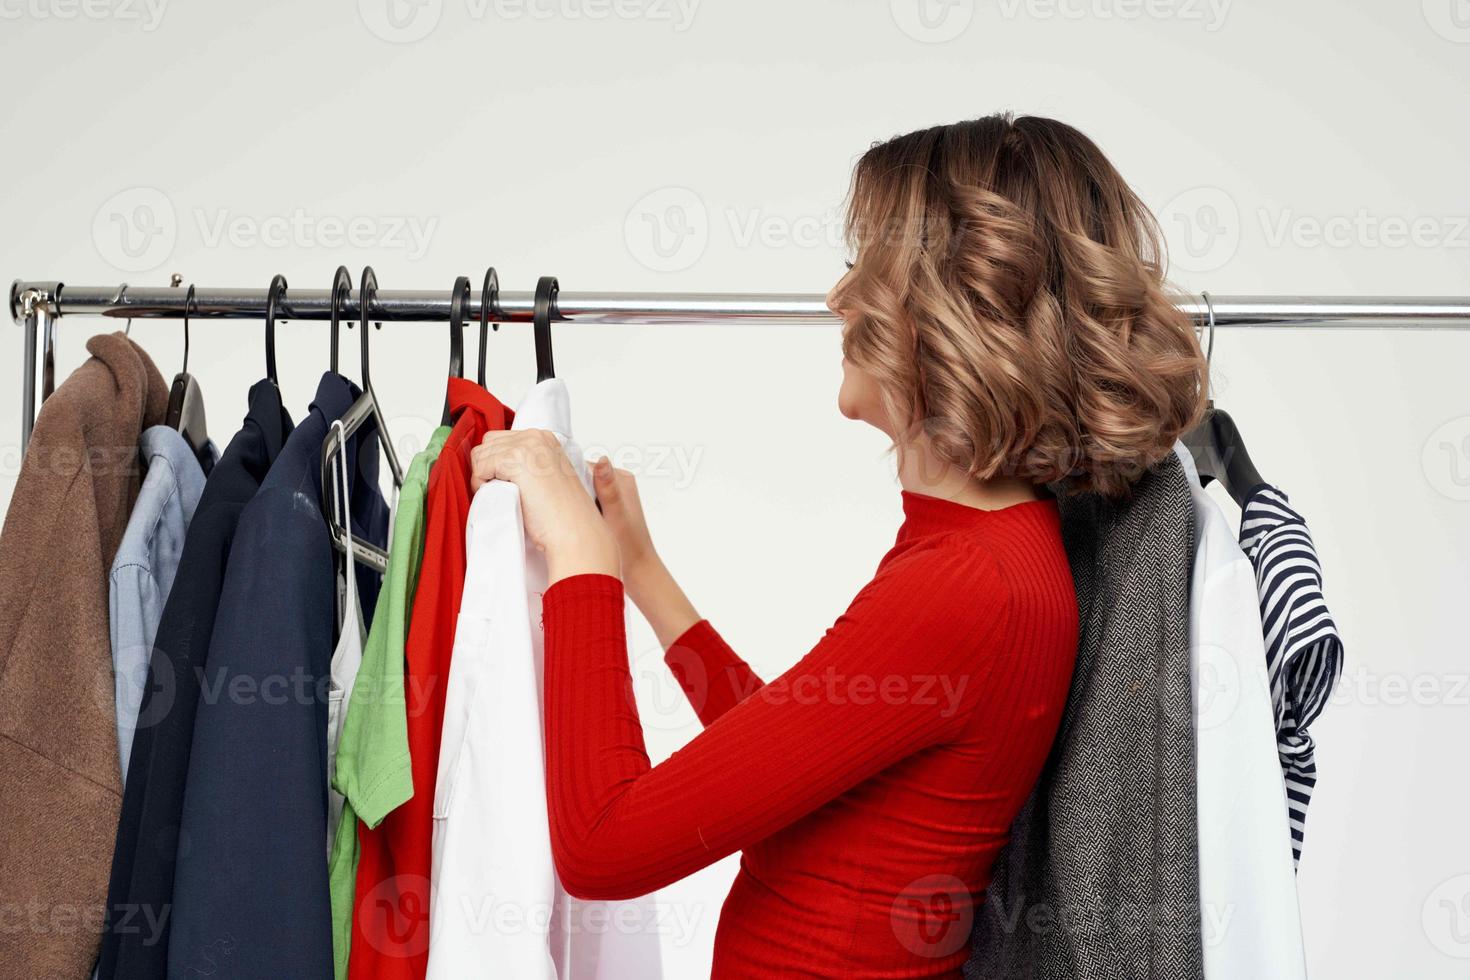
(399, 305)
(37, 305)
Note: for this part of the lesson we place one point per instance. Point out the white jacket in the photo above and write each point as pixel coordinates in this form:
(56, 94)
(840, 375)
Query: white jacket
(1249, 914)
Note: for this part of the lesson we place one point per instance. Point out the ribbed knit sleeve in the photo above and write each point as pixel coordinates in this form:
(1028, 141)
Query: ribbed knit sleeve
(711, 675)
(866, 696)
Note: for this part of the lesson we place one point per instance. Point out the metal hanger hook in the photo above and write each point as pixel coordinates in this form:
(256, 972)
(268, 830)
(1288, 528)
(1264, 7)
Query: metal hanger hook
(117, 299)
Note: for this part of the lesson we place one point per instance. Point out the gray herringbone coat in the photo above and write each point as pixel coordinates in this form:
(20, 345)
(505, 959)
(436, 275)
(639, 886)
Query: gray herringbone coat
(1100, 880)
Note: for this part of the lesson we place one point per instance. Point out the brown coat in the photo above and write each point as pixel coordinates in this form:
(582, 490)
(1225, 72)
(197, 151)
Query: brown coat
(58, 734)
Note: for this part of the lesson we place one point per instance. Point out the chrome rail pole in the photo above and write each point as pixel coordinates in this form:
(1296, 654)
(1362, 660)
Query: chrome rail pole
(38, 304)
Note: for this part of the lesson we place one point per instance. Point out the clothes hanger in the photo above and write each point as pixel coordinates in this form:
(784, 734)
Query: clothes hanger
(186, 401)
(367, 291)
(341, 292)
(273, 297)
(117, 301)
(546, 289)
(1216, 444)
(489, 301)
(459, 298)
(361, 411)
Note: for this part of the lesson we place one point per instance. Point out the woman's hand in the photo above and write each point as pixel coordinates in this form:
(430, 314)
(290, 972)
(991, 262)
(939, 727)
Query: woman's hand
(617, 494)
(560, 518)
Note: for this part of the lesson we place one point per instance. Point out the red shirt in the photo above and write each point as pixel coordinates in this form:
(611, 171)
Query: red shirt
(390, 928)
(869, 787)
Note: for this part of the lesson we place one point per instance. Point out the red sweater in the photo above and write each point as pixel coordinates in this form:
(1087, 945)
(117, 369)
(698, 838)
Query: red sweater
(869, 787)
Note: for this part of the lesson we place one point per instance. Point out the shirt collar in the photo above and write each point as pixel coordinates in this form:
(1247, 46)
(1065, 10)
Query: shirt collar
(159, 442)
(334, 396)
(464, 395)
(173, 474)
(546, 406)
(268, 415)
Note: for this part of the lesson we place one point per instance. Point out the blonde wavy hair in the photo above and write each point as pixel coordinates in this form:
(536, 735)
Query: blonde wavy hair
(1007, 292)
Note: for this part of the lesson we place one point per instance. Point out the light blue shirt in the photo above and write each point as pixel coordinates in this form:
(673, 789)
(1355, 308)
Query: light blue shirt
(143, 570)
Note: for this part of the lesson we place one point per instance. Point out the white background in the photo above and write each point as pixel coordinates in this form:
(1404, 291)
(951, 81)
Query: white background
(1286, 147)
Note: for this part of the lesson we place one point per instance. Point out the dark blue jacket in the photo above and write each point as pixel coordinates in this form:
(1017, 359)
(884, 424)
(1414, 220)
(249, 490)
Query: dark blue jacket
(250, 890)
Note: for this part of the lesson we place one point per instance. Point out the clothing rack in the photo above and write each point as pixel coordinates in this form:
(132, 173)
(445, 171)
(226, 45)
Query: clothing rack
(37, 305)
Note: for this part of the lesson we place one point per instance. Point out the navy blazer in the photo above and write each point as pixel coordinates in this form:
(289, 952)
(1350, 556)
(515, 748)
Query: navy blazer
(250, 889)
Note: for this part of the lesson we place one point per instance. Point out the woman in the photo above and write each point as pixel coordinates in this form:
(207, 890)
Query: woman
(1005, 324)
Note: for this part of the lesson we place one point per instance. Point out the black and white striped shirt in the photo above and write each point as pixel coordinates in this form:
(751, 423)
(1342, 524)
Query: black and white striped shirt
(1303, 649)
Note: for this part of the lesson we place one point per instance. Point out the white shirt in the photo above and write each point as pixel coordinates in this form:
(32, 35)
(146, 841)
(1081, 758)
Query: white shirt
(497, 909)
(1248, 901)
(347, 656)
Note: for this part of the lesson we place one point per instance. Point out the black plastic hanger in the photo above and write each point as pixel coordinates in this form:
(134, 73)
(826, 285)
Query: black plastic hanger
(1216, 444)
(365, 408)
(489, 303)
(341, 292)
(186, 401)
(459, 298)
(546, 289)
(273, 297)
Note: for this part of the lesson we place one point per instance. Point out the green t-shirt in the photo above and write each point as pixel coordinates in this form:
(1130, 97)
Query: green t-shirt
(373, 771)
